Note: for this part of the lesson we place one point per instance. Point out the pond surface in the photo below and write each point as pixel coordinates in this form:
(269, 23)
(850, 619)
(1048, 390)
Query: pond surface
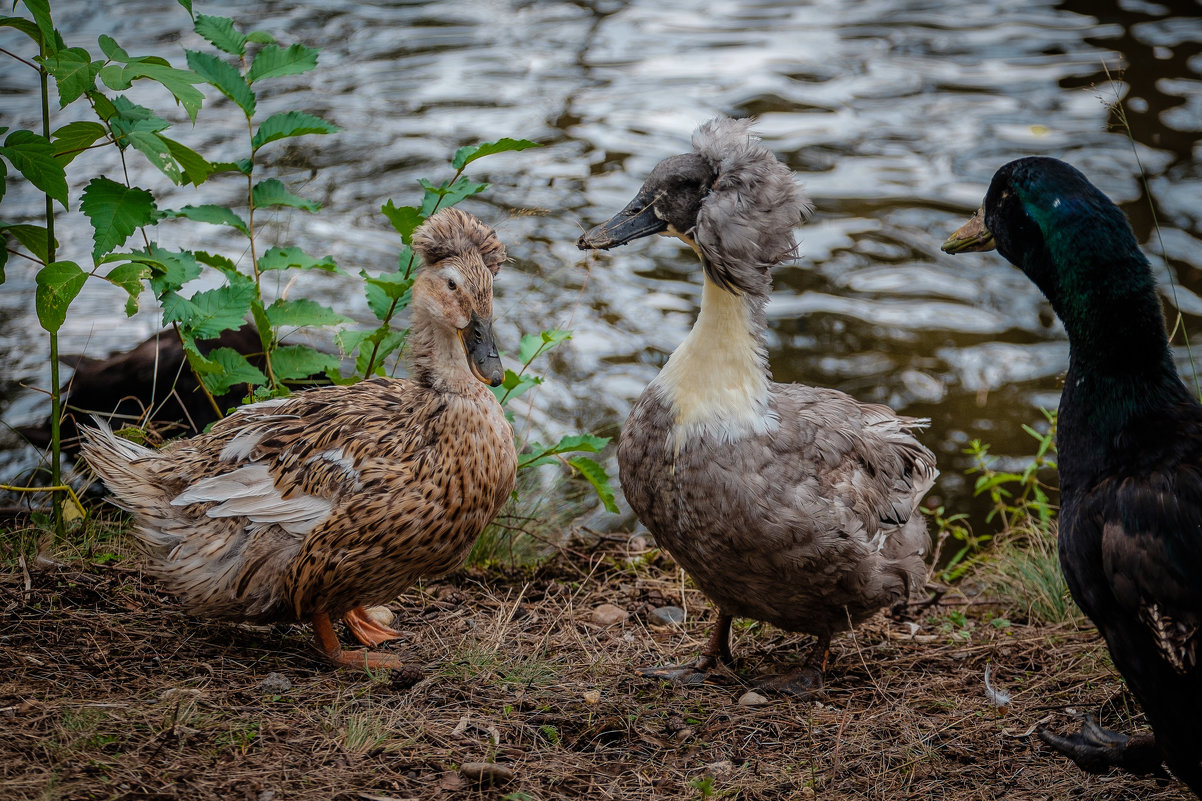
(893, 114)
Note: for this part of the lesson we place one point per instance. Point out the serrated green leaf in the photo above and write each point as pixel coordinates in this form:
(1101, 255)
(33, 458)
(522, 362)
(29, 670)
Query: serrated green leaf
(534, 345)
(129, 276)
(74, 73)
(197, 360)
(260, 37)
(262, 324)
(157, 153)
(195, 168)
(469, 153)
(273, 61)
(208, 213)
(376, 347)
(272, 192)
(514, 386)
(588, 443)
(33, 237)
(57, 285)
(25, 26)
(225, 77)
(171, 268)
(595, 474)
(290, 123)
(241, 165)
(33, 157)
(278, 258)
(116, 211)
(387, 294)
(187, 5)
(114, 77)
(538, 454)
(405, 219)
(221, 33)
(111, 49)
(222, 263)
(348, 340)
(3, 174)
(293, 362)
(206, 314)
(40, 10)
(447, 194)
(235, 369)
(74, 138)
(129, 116)
(104, 108)
(177, 82)
(302, 312)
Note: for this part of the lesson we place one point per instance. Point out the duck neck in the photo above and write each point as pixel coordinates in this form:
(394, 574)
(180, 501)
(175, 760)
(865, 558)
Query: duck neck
(1121, 375)
(438, 359)
(716, 382)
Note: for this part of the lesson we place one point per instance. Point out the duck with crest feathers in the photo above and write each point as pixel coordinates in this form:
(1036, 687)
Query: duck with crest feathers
(1129, 442)
(785, 503)
(314, 505)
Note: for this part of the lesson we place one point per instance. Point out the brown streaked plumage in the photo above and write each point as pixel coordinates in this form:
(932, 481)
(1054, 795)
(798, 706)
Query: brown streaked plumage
(312, 506)
(785, 503)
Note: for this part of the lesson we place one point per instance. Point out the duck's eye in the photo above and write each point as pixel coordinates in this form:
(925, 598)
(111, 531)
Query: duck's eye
(451, 285)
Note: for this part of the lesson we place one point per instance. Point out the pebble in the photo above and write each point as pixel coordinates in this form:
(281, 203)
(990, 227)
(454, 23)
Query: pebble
(592, 697)
(274, 684)
(485, 773)
(666, 616)
(381, 615)
(608, 615)
(720, 768)
(752, 698)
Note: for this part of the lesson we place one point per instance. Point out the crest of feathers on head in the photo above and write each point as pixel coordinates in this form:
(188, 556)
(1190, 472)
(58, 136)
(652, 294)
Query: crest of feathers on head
(745, 226)
(452, 232)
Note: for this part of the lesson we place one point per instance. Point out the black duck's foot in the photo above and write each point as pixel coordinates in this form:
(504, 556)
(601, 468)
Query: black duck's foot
(802, 682)
(1098, 750)
(699, 672)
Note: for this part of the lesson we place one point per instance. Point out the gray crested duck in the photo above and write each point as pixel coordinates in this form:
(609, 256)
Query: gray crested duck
(312, 506)
(1129, 453)
(785, 503)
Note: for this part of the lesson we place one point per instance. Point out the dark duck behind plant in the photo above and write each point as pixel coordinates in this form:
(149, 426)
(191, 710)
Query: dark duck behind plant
(1129, 443)
(789, 504)
(313, 506)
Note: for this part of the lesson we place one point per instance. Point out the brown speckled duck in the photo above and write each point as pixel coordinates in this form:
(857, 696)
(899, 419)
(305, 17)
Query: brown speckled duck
(785, 503)
(312, 506)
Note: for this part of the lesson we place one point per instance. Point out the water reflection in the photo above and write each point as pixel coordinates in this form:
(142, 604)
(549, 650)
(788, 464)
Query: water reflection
(894, 114)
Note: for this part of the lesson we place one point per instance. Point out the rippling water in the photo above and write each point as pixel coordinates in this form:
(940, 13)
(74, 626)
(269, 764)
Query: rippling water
(894, 114)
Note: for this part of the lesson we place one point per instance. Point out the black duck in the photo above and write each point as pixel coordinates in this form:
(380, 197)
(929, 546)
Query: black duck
(1129, 443)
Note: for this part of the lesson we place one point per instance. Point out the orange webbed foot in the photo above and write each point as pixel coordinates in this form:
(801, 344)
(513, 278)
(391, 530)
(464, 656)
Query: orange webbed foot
(327, 643)
(366, 630)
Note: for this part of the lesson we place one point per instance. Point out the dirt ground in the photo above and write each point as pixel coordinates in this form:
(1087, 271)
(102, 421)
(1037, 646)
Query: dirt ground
(109, 691)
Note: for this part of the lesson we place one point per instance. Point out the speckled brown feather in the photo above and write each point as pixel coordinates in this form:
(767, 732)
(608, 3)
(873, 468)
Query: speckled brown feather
(340, 496)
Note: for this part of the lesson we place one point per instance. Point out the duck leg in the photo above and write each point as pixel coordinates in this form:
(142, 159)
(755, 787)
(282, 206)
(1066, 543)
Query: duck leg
(1097, 750)
(366, 630)
(327, 643)
(806, 679)
(716, 651)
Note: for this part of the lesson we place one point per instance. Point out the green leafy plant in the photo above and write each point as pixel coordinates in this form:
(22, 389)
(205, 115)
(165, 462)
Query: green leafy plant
(1019, 501)
(1018, 498)
(238, 66)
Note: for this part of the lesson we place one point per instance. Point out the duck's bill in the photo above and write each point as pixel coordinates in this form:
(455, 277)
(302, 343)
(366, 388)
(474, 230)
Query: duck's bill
(481, 349)
(971, 237)
(636, 220)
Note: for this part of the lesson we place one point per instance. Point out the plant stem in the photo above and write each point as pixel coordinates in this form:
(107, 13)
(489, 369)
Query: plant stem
(254, 259)
(56, 405)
